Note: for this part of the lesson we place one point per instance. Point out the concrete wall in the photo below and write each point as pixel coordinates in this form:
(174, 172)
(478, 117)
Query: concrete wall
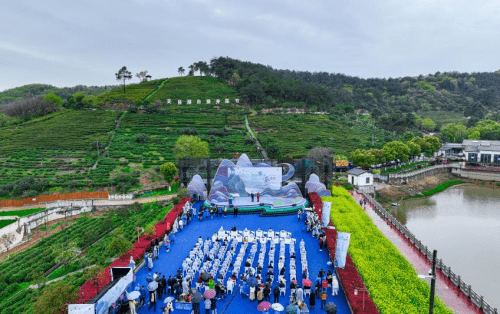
(53, 212)
(476, 174)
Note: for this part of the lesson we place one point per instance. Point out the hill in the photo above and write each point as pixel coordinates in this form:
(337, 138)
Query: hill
(33, 90)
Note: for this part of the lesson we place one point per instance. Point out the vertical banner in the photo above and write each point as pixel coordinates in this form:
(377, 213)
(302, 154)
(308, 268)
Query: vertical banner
(326, 213)
(341, 249)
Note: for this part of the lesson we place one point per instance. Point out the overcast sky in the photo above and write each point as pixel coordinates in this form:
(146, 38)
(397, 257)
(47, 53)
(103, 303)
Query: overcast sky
(65, 43)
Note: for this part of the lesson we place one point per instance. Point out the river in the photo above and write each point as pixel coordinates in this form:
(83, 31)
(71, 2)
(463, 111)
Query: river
(463, 225)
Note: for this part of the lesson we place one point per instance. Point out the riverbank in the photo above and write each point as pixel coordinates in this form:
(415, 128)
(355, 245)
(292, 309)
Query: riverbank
(426, 187)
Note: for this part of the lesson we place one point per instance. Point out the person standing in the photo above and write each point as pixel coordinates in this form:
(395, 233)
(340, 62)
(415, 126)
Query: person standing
(208, 304)
(276, 293)
(152, 300)
(323, 299)
(320, 243)
(150, 262)
(258, 197)
(252, 196)
(312, 299)
(300, 294)
(213, 306)
(142, 297)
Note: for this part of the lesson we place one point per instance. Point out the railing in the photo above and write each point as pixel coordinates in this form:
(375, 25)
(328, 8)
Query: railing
(446, 270)
(414, 173)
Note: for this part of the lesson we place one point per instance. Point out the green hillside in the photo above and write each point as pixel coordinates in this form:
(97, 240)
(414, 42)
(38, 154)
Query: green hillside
(221, 126)
(134, 93)
(56, 147)
(194, 88)
(296, 134)
(33, 90)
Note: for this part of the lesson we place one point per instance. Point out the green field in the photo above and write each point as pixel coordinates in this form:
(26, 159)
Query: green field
(56, 147)
(21, 213)
(194, 88)
(4, 223)
(444, 117)
(296, 134)
(162, 130)
(134, 93)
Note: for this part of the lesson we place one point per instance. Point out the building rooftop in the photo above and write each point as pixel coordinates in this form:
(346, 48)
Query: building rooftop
(472, 146)
(356, 171)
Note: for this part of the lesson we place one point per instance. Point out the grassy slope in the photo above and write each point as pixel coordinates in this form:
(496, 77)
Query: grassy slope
(22, 213)
(163, 131)
(194, 88)
(55, 147)
(296, 134)
(134, 93)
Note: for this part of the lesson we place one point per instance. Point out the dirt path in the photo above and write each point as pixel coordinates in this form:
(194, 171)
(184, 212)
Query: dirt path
(447, 291)
(261, 149)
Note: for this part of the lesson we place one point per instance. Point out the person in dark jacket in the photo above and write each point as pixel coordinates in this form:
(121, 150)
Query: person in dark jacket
(312, 299)
(276, 293)
(213, 305)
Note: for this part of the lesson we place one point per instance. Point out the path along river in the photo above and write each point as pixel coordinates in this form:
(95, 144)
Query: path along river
(463, 224)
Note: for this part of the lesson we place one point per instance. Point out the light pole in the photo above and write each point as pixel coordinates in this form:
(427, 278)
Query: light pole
(433, 281)
(363, 290)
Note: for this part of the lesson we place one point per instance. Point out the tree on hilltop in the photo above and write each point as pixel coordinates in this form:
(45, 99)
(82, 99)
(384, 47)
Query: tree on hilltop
(181, 71)
(143, 75)
(123, 75)
(191, 70)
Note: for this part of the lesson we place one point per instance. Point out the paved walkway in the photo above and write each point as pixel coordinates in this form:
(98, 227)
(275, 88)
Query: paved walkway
(261, 149)
(447, 291)
(104, 202)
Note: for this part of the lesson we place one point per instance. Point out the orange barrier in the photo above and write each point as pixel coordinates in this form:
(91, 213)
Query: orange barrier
(53, 198)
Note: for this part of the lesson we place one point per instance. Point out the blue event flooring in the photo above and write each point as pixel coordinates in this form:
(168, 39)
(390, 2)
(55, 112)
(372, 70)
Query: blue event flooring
(168, 263)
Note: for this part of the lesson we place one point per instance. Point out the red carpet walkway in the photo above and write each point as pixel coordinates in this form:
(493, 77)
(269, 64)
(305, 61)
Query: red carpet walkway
(446, 290)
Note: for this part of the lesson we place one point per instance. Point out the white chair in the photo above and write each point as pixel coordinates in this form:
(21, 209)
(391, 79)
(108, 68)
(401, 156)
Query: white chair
(259, 234)
(307, 292)
(283, 290)
(230, 285)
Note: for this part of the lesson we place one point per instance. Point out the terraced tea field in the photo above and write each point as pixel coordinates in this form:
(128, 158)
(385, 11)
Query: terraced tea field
(163, 130)
(296, 134)
(56, 147)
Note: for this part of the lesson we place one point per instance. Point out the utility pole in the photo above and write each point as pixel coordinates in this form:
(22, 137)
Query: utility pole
(433, 282)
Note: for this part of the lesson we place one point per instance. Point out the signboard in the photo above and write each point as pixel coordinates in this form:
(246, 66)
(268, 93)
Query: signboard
(189, 101)
(179, 102)
(208, 101)
(342, 163)
(169, 101)
(227, 101)
(114, 293)
(341, 249)
(198, 102)
(237, 100)
(326, 213)
(259, 178)
(81, 309)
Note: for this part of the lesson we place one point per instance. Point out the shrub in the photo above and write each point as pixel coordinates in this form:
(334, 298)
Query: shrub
(141, 138)
(133, 109)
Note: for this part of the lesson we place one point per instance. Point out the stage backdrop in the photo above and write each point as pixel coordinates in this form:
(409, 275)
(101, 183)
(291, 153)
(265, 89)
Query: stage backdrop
(257, 179)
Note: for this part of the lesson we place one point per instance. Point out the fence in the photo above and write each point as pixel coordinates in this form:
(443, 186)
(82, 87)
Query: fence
(446, 270)
(53, 198)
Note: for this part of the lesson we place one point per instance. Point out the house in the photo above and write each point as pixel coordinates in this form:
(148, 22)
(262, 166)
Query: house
(482, 151)
(451, 150)
(359, 177)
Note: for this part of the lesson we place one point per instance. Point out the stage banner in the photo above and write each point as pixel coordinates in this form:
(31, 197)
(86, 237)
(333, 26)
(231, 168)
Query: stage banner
(257, 179)
(326, 213)
(341, 249)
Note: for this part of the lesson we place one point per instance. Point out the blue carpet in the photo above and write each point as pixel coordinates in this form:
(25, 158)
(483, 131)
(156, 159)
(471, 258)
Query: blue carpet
(185, 240)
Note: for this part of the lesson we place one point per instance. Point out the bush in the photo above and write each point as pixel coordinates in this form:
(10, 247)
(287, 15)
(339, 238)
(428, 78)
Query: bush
(187, 131)
(141, 138)
(176, 200)
(133, 109)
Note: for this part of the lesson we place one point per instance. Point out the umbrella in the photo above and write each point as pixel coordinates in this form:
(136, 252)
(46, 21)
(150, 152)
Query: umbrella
(168, 299)
(307, 282)
(133, 295)
(291, 309)
(210, 293)
(197, 297)
(252, 282)
(264, 306)
(331, 308)
(205, 276)
(152, 286)
(277, 307)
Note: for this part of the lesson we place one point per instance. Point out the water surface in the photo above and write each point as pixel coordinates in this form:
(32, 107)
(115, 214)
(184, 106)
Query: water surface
(463, 224)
